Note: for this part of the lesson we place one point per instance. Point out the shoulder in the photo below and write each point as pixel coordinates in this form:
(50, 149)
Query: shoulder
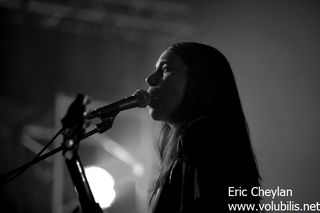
(200, 122)
(198, 137)
(201, 127)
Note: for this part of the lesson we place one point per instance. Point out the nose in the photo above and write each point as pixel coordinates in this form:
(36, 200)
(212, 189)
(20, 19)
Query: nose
(153, 79)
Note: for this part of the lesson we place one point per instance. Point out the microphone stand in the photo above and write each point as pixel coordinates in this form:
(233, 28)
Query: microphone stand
(74, 132)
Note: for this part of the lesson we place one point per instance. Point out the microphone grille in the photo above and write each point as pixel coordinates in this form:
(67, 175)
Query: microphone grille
(143, 97)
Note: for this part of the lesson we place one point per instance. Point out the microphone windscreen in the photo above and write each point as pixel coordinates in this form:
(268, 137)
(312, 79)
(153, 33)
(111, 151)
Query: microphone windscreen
(143, 98)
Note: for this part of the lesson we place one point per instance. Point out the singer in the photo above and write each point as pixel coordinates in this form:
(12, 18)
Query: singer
(204, 144)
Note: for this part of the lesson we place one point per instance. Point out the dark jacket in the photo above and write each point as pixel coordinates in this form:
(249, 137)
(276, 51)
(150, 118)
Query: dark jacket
(213, 155)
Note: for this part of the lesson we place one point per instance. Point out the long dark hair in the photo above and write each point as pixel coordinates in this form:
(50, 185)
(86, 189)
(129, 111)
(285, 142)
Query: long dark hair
(211, 91)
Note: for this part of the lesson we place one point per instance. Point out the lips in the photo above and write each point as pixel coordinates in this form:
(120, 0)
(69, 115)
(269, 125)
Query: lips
(154, 94)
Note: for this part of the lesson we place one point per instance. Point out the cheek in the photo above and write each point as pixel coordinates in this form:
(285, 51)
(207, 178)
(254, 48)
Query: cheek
(180, 90)
(175, 95)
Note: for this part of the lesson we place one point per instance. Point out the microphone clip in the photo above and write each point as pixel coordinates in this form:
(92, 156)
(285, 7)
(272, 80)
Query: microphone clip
(106, 122)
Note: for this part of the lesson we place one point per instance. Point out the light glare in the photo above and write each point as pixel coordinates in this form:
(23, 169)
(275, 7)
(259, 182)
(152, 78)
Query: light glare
(102, 186)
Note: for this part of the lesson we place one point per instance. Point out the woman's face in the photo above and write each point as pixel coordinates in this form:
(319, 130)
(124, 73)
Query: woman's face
(166, 86)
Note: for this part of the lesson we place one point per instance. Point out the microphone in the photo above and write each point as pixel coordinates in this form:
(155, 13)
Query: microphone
(139, 98)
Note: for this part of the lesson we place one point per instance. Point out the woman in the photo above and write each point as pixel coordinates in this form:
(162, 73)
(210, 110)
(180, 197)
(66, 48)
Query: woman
(204, 145)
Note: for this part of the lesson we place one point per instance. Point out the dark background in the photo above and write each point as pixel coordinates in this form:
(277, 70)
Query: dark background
(105, 49)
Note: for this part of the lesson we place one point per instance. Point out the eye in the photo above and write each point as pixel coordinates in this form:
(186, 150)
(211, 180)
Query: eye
(166, 68)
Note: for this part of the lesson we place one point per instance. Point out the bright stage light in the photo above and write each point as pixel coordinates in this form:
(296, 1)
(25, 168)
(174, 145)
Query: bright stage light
(102, 186)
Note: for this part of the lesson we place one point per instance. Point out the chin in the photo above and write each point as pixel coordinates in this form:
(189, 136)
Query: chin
(156, 115)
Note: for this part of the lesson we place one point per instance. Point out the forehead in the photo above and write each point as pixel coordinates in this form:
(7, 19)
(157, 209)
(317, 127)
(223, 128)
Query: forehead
(168, 56)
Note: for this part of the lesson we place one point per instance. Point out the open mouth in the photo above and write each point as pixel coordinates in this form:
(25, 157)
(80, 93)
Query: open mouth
(154, 97)
(153, 101)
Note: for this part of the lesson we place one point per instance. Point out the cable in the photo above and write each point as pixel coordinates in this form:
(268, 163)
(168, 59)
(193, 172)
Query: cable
(11, 175)
(48, 144)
